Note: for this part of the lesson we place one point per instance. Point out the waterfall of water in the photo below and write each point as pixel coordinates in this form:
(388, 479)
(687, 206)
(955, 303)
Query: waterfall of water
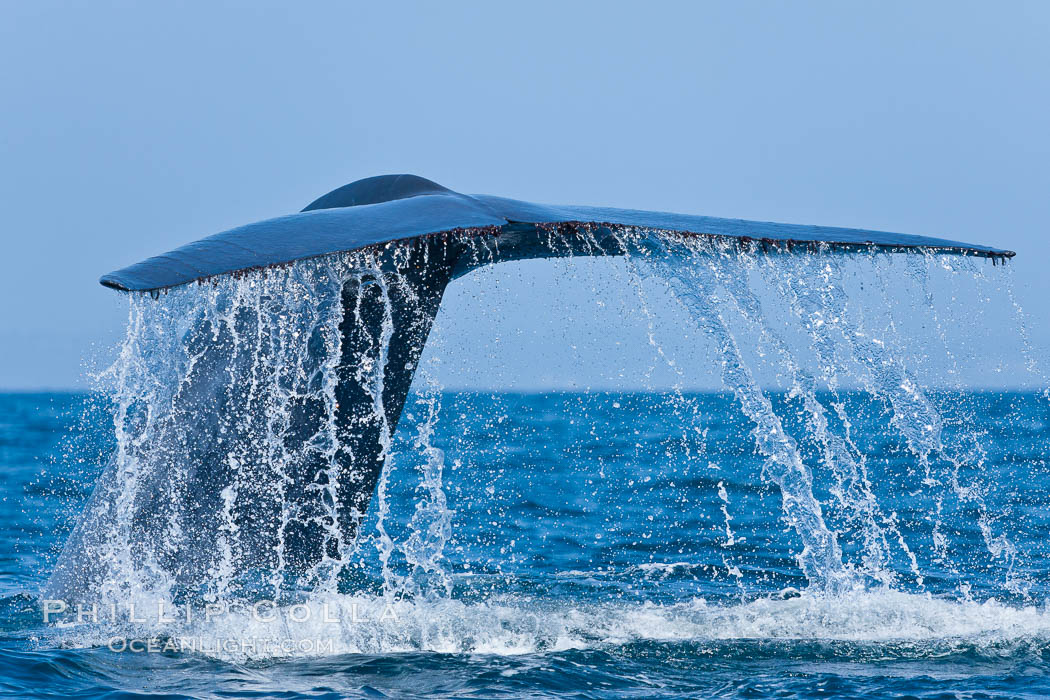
(226, 480)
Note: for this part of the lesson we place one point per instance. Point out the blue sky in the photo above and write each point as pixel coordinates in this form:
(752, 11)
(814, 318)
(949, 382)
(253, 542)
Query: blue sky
(127, 129)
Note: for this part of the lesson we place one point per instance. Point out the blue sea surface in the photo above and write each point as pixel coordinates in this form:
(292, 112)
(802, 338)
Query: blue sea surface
(607, 545)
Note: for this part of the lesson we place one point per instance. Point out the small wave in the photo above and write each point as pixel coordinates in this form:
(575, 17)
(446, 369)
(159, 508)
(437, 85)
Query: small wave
(658, 571)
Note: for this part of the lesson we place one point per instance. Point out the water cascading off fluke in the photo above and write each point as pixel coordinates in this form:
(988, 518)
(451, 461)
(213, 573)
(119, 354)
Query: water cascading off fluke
(252, 435)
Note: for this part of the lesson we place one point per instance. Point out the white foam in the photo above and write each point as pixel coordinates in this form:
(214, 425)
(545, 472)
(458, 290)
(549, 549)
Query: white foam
(339, 624)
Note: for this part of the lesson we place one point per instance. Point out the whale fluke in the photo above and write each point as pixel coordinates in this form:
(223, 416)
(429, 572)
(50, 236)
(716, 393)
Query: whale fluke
(379, 210)
(374, 190)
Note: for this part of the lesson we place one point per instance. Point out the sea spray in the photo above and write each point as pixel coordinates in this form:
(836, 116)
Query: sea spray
(820, 558)
(215, 494)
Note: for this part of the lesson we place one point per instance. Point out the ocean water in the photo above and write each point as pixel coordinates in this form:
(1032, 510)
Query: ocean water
(620, 566)
(846, 517)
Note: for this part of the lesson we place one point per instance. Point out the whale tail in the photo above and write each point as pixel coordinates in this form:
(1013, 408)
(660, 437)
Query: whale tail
(263, 450)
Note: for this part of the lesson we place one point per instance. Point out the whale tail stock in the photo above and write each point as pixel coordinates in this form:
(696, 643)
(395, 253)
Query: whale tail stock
(401, 301)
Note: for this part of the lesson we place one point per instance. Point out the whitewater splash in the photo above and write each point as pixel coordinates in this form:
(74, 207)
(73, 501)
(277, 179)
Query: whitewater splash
(226, 484)
(891, 623)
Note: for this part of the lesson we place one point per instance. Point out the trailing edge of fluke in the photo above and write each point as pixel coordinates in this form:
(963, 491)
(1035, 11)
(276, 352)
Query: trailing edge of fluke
(379, 210)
